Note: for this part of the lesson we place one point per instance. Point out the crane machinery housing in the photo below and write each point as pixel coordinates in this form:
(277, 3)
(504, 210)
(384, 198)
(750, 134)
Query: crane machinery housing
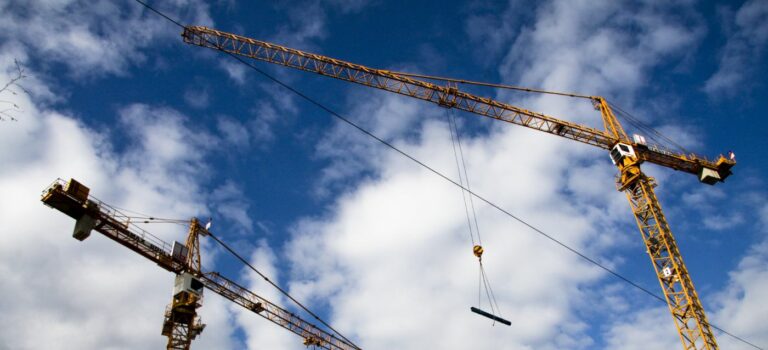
(626, 154)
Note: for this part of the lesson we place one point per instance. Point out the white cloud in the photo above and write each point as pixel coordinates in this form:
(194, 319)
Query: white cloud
(233, 132)
(491, 31)
(92, 38)
(708, 202)
(349, 6)
(744, 49)
(741, 306)
(262, 123)
(721, 222)
(95, 288)
(234, 69)
(229, 202)
(259, 333)
(352, 154)
(401, 240)
(647, 329)
(305, 24)
(588, 47)
(197, 98)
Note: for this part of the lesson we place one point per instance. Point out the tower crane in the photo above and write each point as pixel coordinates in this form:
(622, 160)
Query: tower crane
(181, 324)
(625, 153)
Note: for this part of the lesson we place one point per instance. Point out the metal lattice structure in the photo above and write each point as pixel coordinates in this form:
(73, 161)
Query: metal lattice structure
(181, 324)
(447, 96)
(684, 304)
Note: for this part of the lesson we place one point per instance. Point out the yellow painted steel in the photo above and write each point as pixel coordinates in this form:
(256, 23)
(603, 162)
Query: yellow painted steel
(193, 244)
(676, 284)
(182, 324)
(450, 96)
(684, 304)
(610, 122)
(682, 299)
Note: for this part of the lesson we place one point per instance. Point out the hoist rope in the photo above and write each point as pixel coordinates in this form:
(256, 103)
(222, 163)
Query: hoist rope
(461, 167)
(441, 175)
(452, 118)
(480, 286)
(461, 180)
(483, 283)
(489, 291)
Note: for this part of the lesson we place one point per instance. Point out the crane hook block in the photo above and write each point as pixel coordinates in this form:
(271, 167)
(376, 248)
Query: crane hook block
(491, 316)
(478, 250)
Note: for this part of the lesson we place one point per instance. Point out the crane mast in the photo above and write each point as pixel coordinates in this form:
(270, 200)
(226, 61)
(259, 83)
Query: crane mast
(181, 324)
(676, 284)
(684, 304)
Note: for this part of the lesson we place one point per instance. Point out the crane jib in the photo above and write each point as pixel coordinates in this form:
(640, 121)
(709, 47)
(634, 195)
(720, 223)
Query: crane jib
(446, 96)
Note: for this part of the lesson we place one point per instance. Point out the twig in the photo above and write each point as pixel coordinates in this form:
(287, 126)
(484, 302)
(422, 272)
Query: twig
(7, 114)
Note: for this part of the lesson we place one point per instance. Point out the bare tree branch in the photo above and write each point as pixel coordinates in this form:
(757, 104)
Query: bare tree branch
(7, 114)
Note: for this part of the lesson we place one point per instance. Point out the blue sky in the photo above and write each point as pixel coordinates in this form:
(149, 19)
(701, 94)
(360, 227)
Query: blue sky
(372, 241)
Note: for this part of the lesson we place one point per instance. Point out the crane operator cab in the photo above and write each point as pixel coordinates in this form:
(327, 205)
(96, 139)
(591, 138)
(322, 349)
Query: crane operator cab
(186, 282)
(620, 152)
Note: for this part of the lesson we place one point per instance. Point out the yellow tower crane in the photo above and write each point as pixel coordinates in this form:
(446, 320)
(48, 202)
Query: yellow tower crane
(181, 324)
(627, 154)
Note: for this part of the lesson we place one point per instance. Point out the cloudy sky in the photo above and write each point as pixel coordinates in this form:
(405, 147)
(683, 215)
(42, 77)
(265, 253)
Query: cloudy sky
(373, 242)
